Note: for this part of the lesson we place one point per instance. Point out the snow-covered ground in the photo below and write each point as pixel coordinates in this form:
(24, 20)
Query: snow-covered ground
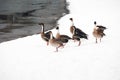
(30, 58)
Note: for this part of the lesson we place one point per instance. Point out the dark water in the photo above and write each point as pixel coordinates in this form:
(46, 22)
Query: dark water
(20, 18)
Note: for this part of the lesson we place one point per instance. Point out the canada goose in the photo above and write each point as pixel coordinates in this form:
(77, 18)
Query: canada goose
(55, 42)
(98, 31)
(63, 38)
(77, 31)
(44, 36)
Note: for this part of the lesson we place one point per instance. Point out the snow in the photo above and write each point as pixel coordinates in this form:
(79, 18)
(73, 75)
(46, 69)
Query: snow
(30, 58)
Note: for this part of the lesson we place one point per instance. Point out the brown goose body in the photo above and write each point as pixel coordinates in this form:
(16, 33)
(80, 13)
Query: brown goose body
(55, 42)
(63, 38)
(76, 37)
(98, 32)
(77, 33)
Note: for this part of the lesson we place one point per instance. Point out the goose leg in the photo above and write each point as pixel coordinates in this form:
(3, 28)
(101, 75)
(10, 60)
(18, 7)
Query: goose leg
(100, 39)
(47, 43)
(56, 49)
(74, 40)
(96, 40)
(79, 43)
(60, 45)
(63, 46)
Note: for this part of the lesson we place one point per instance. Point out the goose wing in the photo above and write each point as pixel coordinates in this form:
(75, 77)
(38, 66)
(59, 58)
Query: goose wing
(101, 27)
(80, 33)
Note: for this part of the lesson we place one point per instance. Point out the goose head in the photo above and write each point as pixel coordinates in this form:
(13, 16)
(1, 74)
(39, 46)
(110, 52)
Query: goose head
(95, 23)
(58, 32)
(57, 28)
(71, 19)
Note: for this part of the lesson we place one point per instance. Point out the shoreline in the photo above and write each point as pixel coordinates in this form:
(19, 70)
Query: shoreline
(26, 25)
